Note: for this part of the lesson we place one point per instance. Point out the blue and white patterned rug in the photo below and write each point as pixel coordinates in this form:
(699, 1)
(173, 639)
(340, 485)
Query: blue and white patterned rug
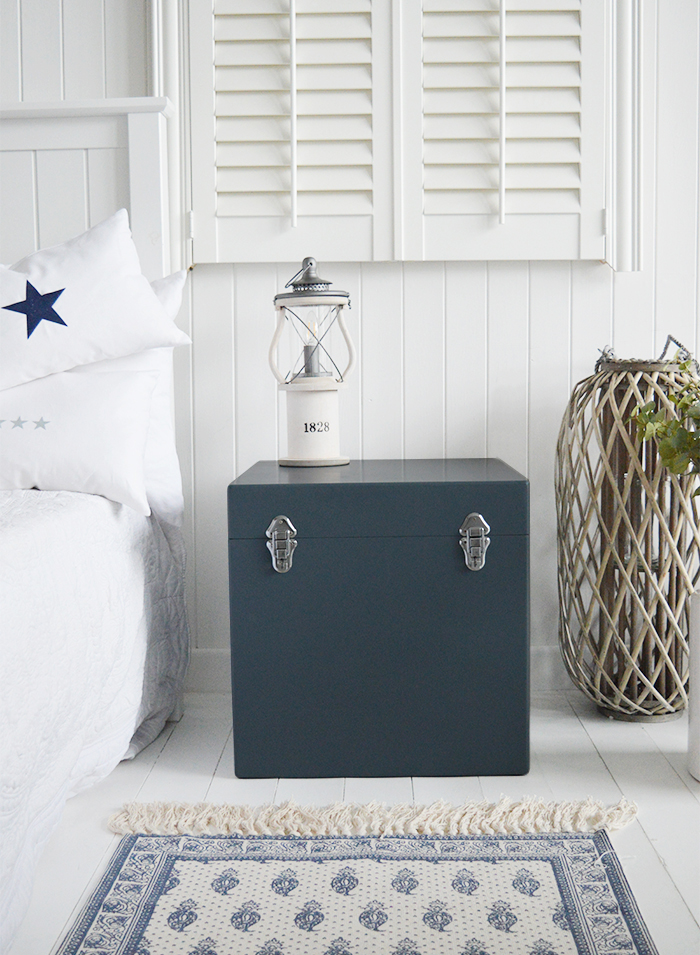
(532, 894)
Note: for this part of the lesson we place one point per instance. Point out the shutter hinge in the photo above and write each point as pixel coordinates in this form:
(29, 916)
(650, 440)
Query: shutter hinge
(190, 224)
(604, 218)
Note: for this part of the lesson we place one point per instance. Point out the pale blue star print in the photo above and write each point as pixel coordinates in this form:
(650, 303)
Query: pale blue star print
(20, 422)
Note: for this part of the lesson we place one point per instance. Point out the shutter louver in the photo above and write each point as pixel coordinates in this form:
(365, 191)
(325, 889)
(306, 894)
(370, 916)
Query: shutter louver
(461, 106)
(334, 108)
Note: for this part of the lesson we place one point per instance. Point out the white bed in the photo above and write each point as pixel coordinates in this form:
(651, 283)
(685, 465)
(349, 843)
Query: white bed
(93, 647)
(93, 632)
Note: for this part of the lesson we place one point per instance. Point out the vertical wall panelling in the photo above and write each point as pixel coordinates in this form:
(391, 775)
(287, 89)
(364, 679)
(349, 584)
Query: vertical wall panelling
(213, 386)
(184, 437)
(508, 318)
(285, 357)
(67, 213)
(465, 359)
(255, 387)
(42, 55)
(126, 27)
(348, 278)
(676, 191)
(380, 365)
(591, 317)
(548, 392)
(18, 227)
(83, 49)
(10, 52)
(424, 360)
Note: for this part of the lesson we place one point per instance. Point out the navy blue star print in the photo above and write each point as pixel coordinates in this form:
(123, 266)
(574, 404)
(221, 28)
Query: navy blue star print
(38, 308)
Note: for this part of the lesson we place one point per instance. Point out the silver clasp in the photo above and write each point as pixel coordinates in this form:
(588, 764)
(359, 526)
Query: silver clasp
(474, 540)
(281, 543)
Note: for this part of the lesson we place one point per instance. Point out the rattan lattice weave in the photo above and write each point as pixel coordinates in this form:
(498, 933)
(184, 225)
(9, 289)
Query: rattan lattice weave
(628, 546)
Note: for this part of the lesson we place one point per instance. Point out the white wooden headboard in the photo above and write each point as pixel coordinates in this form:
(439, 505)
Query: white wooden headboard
(67, 166)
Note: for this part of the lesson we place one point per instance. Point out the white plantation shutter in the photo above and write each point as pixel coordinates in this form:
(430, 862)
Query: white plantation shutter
(334, 109)
(554, 170)
(292, 172)
(369, 129)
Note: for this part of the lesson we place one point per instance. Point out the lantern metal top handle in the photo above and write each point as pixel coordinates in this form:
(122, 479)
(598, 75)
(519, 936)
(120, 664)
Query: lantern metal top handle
(307, 277)
(502, 112)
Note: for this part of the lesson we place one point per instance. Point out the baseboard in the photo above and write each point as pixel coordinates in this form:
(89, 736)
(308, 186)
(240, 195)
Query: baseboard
(547, 670)
(209, 672)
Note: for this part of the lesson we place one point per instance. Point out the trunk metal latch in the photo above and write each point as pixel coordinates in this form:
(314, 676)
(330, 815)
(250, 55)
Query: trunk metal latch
(474, 540)
(281, 543)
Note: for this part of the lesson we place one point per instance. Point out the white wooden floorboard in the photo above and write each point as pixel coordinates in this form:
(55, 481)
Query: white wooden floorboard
(225, 787)
(305, 792)
(572, 768)
(454, 789)
(518, 787)
(184, 771)
(669, 818)
(77, 852)
(390, 789)
(672, 739)
(575, 754)
(667, 917)
(575, 770)
(679, 761)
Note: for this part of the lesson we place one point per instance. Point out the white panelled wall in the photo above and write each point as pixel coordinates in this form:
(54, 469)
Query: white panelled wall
(458, 359)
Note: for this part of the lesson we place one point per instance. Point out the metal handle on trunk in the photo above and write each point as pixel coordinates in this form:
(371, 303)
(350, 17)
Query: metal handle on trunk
(281, 543)
(474, 540)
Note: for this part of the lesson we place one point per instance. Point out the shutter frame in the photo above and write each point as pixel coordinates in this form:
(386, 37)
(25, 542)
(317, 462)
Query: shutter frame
(625, 133)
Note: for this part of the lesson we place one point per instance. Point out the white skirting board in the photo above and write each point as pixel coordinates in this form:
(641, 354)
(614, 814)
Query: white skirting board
(210, 670)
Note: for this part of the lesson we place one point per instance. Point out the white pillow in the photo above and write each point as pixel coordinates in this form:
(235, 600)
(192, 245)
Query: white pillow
(161, 465)
(79, 302)
(69, 432)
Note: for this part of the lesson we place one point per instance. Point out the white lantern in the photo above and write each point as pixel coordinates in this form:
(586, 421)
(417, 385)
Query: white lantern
(309, 312)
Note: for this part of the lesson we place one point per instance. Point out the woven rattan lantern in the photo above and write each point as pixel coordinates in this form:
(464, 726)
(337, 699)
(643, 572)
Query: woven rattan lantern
(628, 546)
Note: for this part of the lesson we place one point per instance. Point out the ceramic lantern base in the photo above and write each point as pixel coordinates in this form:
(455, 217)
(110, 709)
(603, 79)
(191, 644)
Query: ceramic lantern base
(312, 424)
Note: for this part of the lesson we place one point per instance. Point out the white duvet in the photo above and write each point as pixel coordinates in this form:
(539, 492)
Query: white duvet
(93, 651)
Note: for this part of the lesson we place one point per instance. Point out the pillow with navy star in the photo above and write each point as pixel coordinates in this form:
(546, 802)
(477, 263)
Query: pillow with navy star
(79, 302)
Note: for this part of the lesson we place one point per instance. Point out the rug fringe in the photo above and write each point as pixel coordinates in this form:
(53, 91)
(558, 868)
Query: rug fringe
(354, 819)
